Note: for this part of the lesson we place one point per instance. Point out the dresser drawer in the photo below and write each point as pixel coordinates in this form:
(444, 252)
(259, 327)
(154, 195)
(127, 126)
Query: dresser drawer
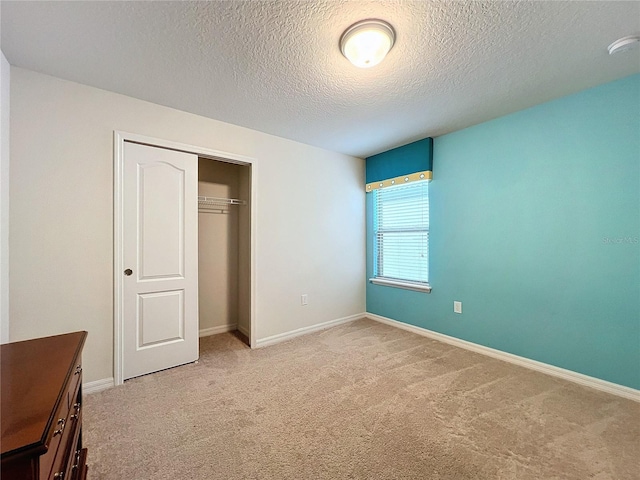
(76, 380)
(74, 445)
(56, 459)
(79, 468)
(66, 458)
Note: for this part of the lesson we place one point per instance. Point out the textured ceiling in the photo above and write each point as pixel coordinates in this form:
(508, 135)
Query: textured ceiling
(275, 66)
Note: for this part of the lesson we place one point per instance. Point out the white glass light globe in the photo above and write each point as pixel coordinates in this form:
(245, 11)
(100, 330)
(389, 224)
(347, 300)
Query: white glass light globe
(366, 43)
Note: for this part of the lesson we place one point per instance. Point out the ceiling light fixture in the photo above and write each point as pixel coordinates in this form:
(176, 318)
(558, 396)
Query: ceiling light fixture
(624, 44)
(366, 43)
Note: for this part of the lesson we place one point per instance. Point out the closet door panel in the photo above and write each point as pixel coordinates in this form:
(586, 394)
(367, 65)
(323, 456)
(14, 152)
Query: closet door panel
(160, 318)
(161, 206)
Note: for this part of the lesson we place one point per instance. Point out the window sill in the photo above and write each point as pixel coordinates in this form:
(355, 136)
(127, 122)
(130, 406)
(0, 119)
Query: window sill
(418, 287)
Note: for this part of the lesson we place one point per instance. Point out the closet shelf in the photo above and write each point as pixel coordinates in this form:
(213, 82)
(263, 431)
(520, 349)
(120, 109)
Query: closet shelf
(216, 202)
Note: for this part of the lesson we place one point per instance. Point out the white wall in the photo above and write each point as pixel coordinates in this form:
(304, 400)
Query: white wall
(310, 214)
(5, 82)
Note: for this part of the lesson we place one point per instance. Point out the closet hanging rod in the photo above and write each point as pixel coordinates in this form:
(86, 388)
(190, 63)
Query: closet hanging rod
(219, 201)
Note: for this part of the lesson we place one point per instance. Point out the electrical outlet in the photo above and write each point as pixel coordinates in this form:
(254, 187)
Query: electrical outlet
(304, 299)
(457, 307)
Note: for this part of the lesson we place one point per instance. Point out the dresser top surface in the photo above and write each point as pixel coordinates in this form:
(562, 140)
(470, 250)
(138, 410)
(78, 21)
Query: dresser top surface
(33, 374)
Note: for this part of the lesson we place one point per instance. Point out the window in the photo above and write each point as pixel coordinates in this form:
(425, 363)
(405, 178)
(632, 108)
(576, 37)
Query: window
(401, 236)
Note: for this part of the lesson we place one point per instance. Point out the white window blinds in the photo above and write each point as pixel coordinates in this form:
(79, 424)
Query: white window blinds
(401, 216)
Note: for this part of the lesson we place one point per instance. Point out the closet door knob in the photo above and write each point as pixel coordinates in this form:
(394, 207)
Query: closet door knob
(128, 272)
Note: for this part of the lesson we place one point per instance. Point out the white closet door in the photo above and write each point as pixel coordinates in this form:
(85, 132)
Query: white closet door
(160, 252)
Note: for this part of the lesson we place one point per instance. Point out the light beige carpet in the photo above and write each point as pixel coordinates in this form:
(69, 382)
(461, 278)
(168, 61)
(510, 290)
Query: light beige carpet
(358, 401)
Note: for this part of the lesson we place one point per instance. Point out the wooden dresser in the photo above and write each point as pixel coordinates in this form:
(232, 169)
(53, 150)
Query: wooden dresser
(41, 414)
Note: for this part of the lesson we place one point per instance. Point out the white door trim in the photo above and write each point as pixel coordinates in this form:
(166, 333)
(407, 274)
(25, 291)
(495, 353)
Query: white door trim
(119, 138)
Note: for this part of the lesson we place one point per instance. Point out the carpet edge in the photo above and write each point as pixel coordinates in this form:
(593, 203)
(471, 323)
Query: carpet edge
(97, 385)
(282, 337)
(569, 375)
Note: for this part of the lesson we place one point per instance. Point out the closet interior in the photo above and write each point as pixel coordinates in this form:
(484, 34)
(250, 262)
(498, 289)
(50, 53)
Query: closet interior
(224, 248)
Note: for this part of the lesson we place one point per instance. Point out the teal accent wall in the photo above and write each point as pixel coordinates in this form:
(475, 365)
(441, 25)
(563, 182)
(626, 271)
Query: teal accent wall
(535, 228)
(411, 158)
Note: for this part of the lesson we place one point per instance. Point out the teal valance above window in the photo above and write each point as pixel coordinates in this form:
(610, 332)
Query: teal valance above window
(408, 163)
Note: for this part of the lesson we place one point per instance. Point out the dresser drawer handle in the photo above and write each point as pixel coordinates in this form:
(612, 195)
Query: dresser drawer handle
(61, 422)
(76, 406)
(59, 475)
(78, 370)
(77, 460)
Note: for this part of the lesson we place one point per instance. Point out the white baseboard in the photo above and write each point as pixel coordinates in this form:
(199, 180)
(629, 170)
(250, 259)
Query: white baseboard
(585, 380)
(205, 332)
(97, 386)
(244, 331)
(282, 337)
